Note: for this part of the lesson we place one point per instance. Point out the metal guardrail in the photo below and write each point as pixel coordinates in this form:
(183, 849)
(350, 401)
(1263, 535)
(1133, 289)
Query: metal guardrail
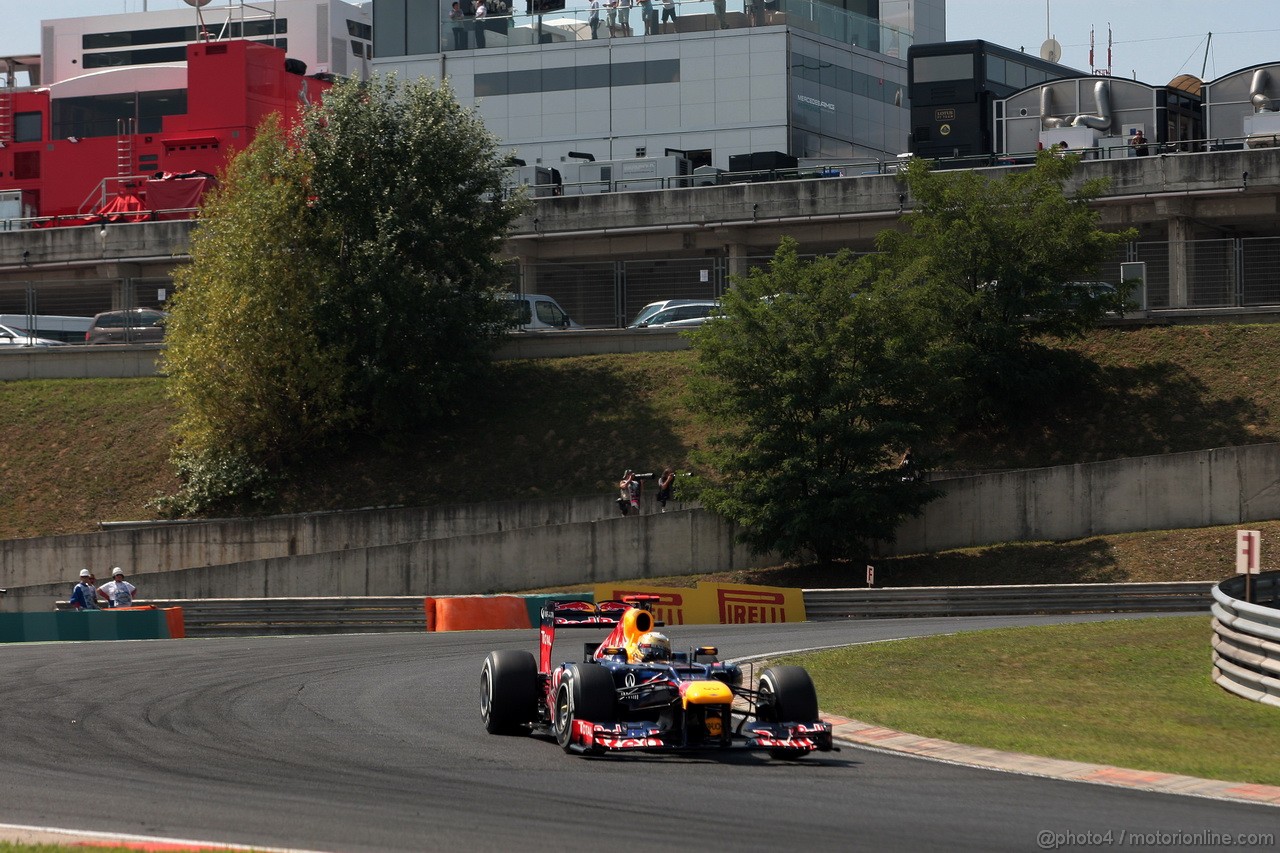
(832, 604)
(1246, 638)
(244, 616)
(214, 617)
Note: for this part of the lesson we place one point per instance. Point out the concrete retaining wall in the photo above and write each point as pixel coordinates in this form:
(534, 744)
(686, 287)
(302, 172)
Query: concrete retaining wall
(517, 545)
(1196, 489)
(147, 549)
(572, 553)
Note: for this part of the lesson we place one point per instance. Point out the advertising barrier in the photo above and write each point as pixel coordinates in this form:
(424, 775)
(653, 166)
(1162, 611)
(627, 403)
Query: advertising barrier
(120, 623)
(714, 603)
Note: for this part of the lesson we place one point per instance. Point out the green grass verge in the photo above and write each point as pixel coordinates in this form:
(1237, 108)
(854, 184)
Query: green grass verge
(1132, 694)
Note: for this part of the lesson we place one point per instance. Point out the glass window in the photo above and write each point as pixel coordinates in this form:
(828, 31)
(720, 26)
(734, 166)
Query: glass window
(1015, 74)
(489, 85)
(28, 127)
(933, 69)
(628, 74)
(549, 313)
(662, 71)
(995, 69)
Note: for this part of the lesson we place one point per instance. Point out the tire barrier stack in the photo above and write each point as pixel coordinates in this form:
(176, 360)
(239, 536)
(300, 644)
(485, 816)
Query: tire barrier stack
(831, 604)
(1246, 637)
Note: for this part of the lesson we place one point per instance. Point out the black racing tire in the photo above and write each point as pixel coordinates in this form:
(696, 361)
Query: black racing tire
(508, 692)
(787, 695)
(586, 693)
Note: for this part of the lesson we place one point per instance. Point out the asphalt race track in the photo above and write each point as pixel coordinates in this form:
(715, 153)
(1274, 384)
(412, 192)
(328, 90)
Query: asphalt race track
(373, 742)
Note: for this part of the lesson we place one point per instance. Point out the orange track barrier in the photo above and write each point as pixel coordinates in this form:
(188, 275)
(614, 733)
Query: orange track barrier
(476, 613)
(177, 625)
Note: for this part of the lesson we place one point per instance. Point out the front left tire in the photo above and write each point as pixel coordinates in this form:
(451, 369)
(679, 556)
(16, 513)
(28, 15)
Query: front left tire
(586, 693)
(508, 692)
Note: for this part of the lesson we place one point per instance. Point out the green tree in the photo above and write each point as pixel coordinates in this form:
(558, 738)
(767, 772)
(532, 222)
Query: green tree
(342, 281)
(1005, 256)
(812, 379)
(410, 213)
(250, 369)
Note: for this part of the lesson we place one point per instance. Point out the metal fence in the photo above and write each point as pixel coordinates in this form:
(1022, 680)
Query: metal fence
(1222, 273)
(63, 309)
(825, 605)
(1225, 273)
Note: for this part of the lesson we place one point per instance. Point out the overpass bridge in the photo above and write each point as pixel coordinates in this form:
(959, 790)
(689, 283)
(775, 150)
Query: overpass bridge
(1179, 202)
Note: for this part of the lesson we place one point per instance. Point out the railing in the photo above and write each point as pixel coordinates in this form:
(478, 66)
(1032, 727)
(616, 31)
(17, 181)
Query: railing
(514, 28)
(832, 604)
(1246, 638)
(253, 616)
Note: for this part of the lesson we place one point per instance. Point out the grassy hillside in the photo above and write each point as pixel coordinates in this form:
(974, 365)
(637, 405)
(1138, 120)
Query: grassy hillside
(77, 452)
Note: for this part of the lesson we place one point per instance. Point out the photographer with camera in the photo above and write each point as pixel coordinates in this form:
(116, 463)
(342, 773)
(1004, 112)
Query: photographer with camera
(630, 488)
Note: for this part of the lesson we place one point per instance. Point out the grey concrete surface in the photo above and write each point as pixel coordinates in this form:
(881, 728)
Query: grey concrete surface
(374, 743)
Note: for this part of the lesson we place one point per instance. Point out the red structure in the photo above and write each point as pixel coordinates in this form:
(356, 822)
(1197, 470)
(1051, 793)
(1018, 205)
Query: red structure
(110, 143)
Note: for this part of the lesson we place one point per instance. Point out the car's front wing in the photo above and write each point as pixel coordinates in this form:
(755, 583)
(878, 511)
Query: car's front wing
(797, 738)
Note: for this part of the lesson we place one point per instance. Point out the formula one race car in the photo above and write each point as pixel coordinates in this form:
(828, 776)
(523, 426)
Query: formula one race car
(631, 692)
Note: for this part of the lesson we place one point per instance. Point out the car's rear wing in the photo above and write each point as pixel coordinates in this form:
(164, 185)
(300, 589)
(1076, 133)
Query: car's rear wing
(558, 614)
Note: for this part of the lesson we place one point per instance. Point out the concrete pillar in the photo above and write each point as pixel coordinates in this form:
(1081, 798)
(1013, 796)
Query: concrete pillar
(1181, 231)
(737, 253)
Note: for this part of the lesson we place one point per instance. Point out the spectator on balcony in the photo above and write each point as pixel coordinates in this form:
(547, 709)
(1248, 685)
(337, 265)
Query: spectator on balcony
(594, 19)
(719, 7)
(624, 17)
(649, 15)
(669, 13)
(459, 23)
(1139, 143)
(482, 12)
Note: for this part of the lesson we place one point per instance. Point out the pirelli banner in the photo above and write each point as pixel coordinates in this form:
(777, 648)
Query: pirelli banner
(714, 603)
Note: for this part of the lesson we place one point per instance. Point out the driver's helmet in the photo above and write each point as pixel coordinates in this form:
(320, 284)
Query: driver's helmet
(653, 646)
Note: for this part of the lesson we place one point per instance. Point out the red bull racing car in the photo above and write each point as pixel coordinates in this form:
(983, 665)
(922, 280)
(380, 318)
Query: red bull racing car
(633, 692)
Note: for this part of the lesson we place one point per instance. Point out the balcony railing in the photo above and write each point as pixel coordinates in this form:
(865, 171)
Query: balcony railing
(653, 19)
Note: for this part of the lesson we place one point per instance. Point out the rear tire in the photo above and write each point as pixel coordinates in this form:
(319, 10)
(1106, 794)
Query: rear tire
(586, 693)
(508, 692)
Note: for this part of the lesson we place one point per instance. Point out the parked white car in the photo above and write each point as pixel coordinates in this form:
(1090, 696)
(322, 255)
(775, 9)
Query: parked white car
(533, 311)
(12, 336)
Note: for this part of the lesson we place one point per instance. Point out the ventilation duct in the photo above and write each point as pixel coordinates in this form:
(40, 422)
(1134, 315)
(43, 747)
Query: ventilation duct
(1047, 119)
(1258, 92)
(1102, 99)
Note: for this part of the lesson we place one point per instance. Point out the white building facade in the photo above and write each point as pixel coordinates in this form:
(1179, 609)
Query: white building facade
(328, 35)
(811, 80)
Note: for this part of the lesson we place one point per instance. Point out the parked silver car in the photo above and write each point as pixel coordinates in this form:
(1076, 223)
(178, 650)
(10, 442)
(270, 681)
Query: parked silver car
(130, 326)
(684, 316)
(654, 307)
